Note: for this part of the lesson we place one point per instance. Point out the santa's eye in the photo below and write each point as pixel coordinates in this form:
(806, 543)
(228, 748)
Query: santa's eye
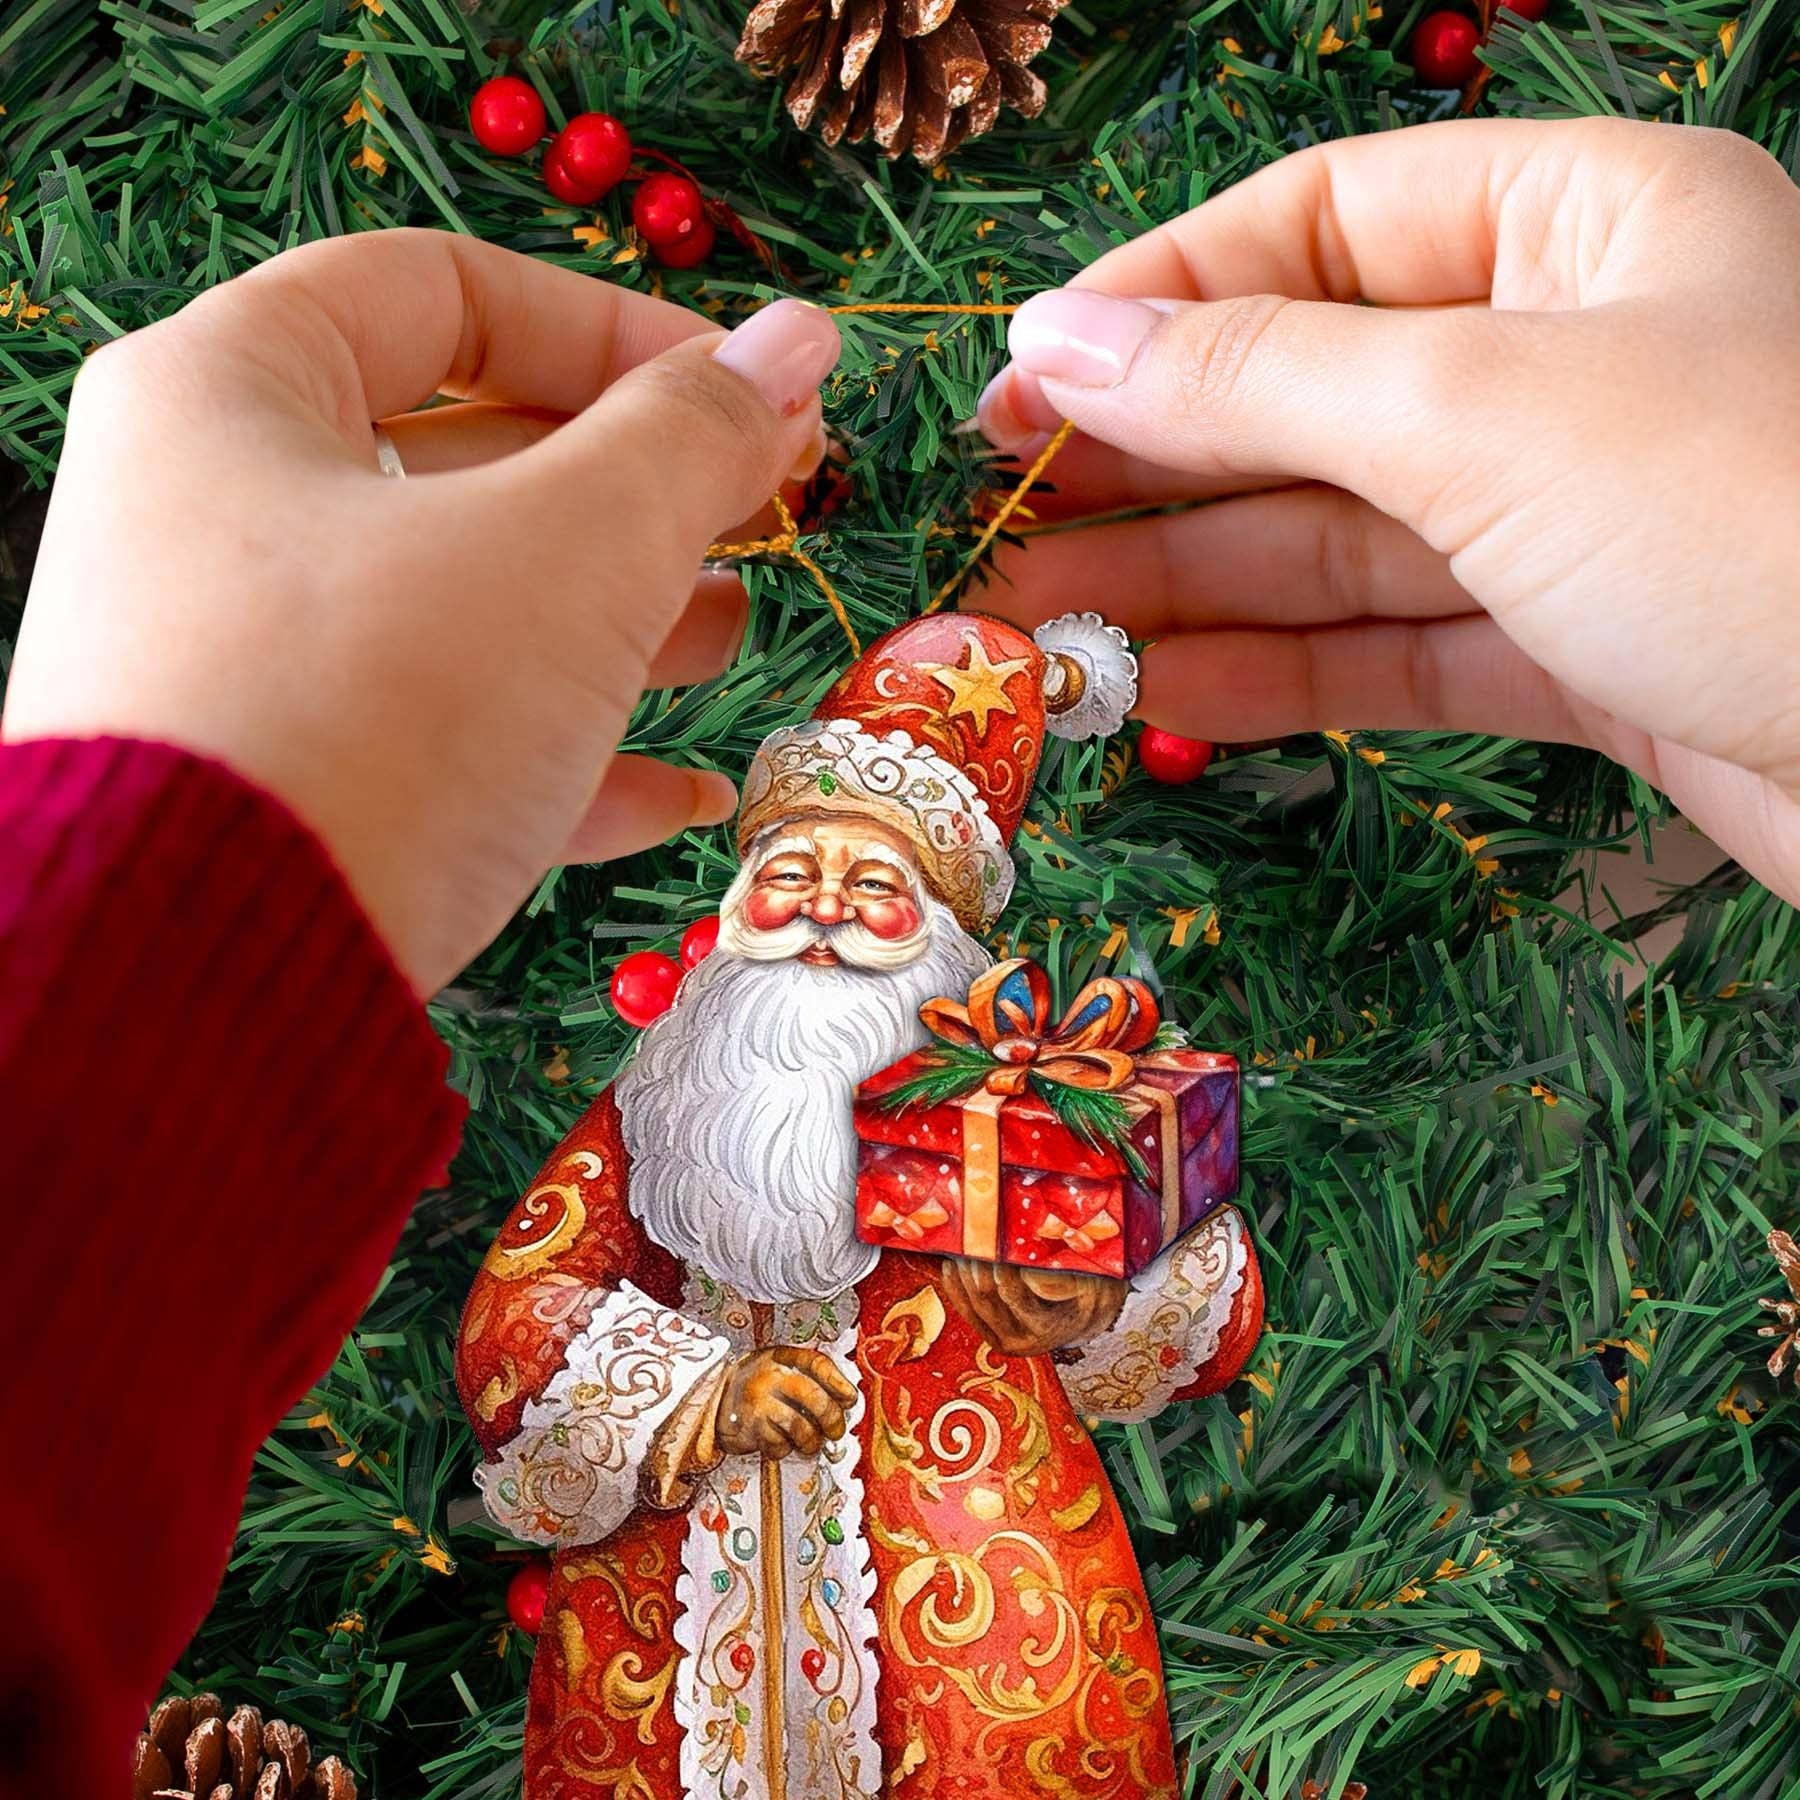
(788, 878)
(873, 884)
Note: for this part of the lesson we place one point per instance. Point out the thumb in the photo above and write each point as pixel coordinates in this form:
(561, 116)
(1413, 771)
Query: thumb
(691, 441)
(1262, 386)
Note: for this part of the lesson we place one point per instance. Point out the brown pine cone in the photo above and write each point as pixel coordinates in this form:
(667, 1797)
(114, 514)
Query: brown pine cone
(918, 75)
(192, 1751)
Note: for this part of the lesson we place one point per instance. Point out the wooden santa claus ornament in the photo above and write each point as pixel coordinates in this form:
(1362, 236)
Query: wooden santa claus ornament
(825, 1518)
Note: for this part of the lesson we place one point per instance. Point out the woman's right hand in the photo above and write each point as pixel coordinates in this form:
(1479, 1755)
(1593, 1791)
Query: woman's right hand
(1547, 484)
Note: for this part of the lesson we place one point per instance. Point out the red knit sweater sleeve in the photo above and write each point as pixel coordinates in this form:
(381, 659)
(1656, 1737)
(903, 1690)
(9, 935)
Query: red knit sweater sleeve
(218, 1101)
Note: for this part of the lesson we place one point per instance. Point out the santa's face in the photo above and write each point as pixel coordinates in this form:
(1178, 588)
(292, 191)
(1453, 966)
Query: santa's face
(737, 1106)
(833, 873)
(828, 891)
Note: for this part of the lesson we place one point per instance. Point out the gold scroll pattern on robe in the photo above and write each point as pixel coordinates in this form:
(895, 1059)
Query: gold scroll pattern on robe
(1014, 1629)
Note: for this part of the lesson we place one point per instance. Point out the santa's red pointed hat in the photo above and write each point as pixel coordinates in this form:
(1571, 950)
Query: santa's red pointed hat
(937, 729)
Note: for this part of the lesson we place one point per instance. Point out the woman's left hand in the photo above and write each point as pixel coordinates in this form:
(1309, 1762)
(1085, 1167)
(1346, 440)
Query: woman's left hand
(433, 673)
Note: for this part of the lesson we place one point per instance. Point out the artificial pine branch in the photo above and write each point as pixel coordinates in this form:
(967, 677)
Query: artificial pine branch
(1506, 1507)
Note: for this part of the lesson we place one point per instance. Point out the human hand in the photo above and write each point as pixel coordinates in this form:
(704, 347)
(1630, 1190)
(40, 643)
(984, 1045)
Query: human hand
(784, 1401)
(1023, 1312)
(1545, 485)
(433, 673)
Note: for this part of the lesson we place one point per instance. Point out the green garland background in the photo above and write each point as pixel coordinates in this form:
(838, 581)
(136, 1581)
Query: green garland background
(1505, 1507)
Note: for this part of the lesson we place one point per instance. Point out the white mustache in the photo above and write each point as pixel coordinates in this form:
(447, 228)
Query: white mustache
(852, 942)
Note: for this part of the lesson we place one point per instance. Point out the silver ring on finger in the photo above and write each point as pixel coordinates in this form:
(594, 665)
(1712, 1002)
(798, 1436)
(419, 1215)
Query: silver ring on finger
(387, 457)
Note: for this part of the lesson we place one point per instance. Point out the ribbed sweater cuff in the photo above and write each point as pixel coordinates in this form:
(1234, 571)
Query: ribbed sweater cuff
(220, 1101)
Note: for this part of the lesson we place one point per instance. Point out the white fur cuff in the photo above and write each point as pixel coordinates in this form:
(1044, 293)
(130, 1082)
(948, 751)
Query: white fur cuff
(1168, 1329)
(570, 1474)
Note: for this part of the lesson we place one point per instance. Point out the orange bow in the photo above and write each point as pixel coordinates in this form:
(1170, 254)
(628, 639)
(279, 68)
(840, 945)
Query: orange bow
(910, 1226)
(1008, 1015)
(1082, 1239)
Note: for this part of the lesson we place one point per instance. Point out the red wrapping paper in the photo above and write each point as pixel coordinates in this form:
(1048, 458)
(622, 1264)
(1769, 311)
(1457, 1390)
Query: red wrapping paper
(1000, 1178)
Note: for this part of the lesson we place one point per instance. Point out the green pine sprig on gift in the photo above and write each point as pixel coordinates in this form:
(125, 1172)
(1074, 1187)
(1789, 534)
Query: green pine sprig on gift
(1095, 1115)
(1098, 1118)
(952, 1071)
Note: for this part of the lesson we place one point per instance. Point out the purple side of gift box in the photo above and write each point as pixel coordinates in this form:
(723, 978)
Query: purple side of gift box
(1206, 1088)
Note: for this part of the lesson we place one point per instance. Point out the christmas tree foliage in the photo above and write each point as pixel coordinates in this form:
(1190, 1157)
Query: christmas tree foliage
(1504, 1504)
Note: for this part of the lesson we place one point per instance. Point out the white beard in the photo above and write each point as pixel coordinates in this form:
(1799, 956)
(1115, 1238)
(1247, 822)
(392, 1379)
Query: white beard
(736, 1109)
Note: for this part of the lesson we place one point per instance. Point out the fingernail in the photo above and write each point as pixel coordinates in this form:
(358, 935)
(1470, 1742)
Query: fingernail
(806, 466)
(715, 797)
(1079, 335)
(721, 623)
(1011, 411)
(784, 352)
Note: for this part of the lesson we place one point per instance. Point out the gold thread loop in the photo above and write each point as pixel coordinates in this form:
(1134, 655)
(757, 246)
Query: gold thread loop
(788, 544)
(997, 523)
(787, 541)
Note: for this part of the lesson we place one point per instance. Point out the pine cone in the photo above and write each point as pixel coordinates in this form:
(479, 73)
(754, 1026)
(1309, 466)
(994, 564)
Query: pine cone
(921, 75)
(191, 1751)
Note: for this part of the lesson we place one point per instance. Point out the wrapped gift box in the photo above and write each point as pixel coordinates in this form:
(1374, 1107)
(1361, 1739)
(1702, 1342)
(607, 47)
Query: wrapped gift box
(1000, 1177)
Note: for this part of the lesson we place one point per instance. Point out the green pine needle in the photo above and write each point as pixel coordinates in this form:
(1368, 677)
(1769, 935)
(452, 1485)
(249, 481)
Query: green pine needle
(1095, 1116)
(952, 1072)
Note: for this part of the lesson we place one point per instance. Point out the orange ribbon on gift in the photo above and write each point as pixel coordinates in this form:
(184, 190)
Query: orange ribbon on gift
(1092, 1045)
(911, 1226)
(1007, 1014)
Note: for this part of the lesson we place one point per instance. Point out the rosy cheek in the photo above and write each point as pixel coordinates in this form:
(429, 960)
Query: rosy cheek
(889, 918)
(768, 909)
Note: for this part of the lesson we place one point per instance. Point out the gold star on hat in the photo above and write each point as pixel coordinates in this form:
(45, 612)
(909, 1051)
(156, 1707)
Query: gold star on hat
(978, 687)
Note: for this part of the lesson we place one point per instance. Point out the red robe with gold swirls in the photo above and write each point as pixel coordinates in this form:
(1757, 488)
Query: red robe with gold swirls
(945, 1604)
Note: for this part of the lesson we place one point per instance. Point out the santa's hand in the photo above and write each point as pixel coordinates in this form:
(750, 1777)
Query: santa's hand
(1024, 1312)
(787, 1401)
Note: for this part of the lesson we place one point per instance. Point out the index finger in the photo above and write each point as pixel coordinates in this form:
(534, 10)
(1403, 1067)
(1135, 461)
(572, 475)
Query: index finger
(1397, 218)
(360, 327)
(821, 1368)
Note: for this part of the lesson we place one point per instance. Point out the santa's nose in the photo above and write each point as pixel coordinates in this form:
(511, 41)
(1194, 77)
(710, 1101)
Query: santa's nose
(826, 909)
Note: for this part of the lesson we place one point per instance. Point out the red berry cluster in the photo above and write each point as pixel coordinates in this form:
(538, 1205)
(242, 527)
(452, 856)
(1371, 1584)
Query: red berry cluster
(644, 983)
(1444, 43)
(586, 160)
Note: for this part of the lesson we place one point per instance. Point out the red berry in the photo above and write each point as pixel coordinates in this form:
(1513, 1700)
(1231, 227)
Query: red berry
(643, 986)
(562, 185)
(1527, 9)
(687, 251)
(742, 1657)
(587, 158)
(825, 493)
(812, 1663)
(506, 115)
(1443, 49)
(526, 1594)
(698, 941)
(667, 210)
(1168, 757)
